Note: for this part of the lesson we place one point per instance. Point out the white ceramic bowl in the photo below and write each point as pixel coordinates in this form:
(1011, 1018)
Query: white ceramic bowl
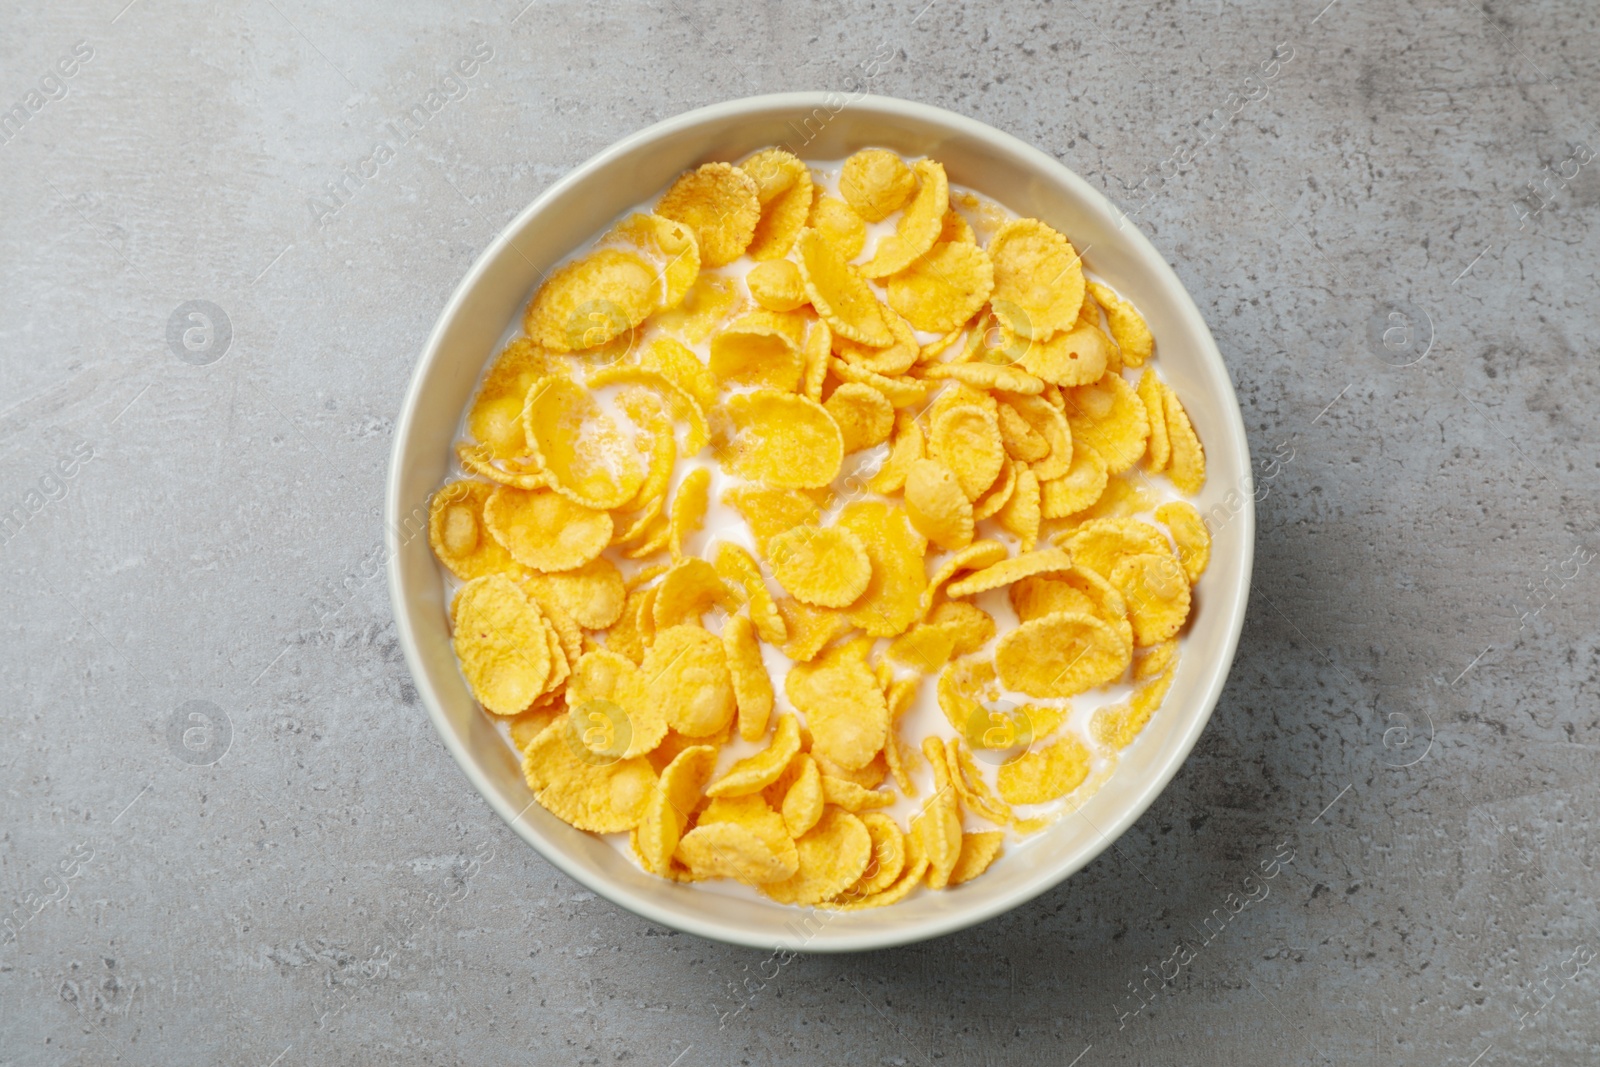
(816, 126)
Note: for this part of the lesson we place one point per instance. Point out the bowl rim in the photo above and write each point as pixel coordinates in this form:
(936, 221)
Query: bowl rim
(1234, 600)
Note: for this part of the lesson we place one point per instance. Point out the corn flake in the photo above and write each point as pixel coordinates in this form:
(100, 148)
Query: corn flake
(719, 202)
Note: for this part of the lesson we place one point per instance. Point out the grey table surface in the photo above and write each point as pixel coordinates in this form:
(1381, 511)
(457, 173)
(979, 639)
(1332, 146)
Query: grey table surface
(1392, 235)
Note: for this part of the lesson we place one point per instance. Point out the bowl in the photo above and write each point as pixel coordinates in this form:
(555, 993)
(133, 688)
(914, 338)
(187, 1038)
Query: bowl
(816, 126)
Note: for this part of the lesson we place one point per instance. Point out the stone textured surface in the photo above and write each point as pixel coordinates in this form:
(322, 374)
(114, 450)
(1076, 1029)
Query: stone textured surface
(1412, 716)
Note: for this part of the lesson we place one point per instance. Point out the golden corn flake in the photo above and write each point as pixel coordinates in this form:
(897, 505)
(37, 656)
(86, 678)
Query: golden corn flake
(901, 392)
(802, 803)
(808, 628)
(973, 627)
(876, 183)
(671, 245)
(783, 188)
(1037, 596)
(839, 225)
(1152, 394)
(1073, 357)
(888, 856)
(864, 416)
(501, 643)
(690, 589)
(925, 647)
(1060, 655)
(1080, 487)
(816, 349)
(1189, 533)
(833, 856)
(956, 228)
(1048, 424)
(825, 566)
(752, 686)
(457, 533)
(1040, 561)
(1021, 440)
(1128, 328)
(1156, 591)
(719, 202)
(733, 850)
(686, 672)
(592, 300)
(739, 572)
(1117, 725)
(544, 530)
(592, 595)
(757, 349)
(944, 288)
(610, 712)
(1038, 279)
(680, 366)
(707, 301)
(1188, 471)
(973, 557)
(843, 706)
(937, 505)
(588, 458)
(978, 851)
(646, 393)
(519, 473)
(966, 440)
(1098, 545)
(495, 417)
(1021, 514)
(768, 511)
(1045, 773)
(784, 440)
(592, 794)
(918, 227)
(987, 376)
(906, 448)
(1109, 419)
(938, 826)
(839, 292)
(852, 797)
(688, 508)
(776, 285)
(895, 359)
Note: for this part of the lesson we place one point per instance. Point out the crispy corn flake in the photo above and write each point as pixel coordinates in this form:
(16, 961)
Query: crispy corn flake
(783, 440)
(646, 392)
(501, 644)
(719, 202)
(754, 773)
(1021, 440)
(925, 647)
(1080, 487)
(769, 511)
(599, 795)
(591, 300)
(680, 366)
(733, 850)
(1128, 328)
(1152, 394)
(1036, 596)
(707, 301)
(976, 556)
(1189, 533)
(824, 566)
(895, 359)
(1021, 514)
(918, 227)
(894, 593)
(987, 376)
(833, 856)
(973, 627)
(1078, 356)
(670, 245)
(1047, 423)
(978, 851)
(808, 628)
(937, 506)
(610, 712)
(776, 285)
(802, 801)
(876, 183)
(839, 225)
(589, 460)
(1108, 418)
(457, 533)
(518, 473)
(817, 350)
(943, 289)
(906, 448)
(955, 228)
(1038, 279)
(752, 686)
(686, 671)
(1060, 655)
(1039, 561)
(1116, 726)
(592, 594)
(1045, 773)
(1156, 591)
(864, 415)
(901, 392)
(1188, 470)
(783, 187)
(888, 856)
(687, 591)
(966, 440)
(869, 776)
(852, 797)
(844, 708)
(757, 349)
(544, 530)
(839, 292)
(938, 826)
(739, 571)
(1098, 545)
(495, 417)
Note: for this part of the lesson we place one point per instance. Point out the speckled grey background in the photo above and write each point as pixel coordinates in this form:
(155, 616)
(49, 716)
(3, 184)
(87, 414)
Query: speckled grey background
(1392, 234)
